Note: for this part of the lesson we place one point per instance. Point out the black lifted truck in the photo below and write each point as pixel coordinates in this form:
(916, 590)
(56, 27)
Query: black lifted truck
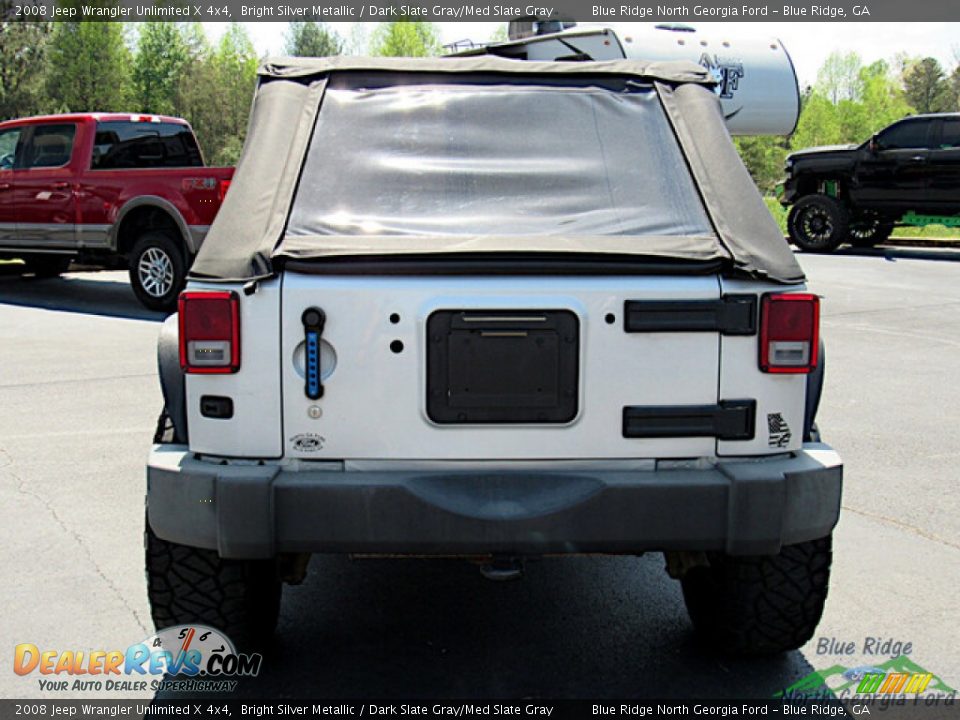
(906, 174)
(489, 308)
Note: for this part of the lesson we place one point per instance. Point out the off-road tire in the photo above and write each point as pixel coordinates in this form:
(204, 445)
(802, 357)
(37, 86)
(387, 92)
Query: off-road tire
(157, 247)
(185, 585)
(867, 232)
(818, 223)
(46, 266)
(759, 605)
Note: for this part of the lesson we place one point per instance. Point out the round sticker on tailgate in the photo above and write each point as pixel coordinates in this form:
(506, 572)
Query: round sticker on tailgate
(307, 442)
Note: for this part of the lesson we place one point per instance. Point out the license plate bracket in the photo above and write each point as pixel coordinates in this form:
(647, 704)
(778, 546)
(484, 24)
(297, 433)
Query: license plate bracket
(503, 366)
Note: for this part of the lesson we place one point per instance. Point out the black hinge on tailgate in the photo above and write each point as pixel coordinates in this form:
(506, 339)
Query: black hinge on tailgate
(729, 315)
(728, 420)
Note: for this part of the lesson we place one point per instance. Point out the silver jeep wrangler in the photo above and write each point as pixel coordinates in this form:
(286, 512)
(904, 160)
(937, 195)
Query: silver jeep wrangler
(496, 308)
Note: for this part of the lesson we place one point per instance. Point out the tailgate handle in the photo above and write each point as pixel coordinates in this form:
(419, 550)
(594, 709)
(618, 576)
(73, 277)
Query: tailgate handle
(729, 315)
(314, 320)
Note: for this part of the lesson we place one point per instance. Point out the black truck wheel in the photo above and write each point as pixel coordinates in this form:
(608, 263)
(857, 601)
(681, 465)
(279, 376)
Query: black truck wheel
(760, 605)
(46, 266)
(191, 585)
(158, 270)
(867, 232)
(818, 223)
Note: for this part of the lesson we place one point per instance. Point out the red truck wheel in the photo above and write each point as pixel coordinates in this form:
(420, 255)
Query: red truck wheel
(157, 271)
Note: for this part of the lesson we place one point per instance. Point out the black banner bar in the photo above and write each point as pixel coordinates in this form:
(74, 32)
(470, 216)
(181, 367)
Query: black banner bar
(497, 11)
(213, 707)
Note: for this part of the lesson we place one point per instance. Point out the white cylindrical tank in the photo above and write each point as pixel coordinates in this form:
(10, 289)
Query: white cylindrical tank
(757, 83)
(756, 80)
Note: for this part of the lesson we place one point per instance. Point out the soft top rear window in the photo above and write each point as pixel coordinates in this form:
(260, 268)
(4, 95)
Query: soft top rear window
(495, 159)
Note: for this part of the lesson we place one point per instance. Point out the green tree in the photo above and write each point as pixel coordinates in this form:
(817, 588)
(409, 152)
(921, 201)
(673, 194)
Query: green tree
(881, 102)
(195, 38)
(839, 77)
(216, 91)
(866, 104)
(311, 39)
(23, 49)
(819, 123)
(199, 97)
(501, 34)
(163, 54)
(926, 87)
(405, 39)
(955, 87)
(358, 40)
(235, 62)
(764, 156)
(89, 66)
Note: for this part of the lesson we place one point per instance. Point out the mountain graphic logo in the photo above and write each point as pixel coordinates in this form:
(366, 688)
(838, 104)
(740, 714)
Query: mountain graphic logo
(898, 675)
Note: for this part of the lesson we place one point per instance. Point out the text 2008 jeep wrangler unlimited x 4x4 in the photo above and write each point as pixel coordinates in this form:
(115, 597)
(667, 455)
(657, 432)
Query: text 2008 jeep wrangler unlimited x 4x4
(497, 308)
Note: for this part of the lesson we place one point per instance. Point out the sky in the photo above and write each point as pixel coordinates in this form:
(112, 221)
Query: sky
(808, 43)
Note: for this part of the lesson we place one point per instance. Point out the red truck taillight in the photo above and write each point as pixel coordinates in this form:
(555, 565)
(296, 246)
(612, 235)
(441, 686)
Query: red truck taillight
(789, 332)
(209, 332)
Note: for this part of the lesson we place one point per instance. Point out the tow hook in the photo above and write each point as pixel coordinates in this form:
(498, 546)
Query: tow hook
(502, 568)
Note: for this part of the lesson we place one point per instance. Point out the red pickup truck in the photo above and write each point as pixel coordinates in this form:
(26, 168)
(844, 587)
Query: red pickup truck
(106, 187)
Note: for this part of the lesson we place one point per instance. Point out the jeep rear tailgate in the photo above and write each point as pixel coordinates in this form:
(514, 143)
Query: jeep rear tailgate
(514, 339)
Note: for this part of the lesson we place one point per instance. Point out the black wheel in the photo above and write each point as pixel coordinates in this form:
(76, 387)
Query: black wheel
(46, 266)
(760, 605)
(818, 223)
(158, 270)
(867, 231)
(191, 585)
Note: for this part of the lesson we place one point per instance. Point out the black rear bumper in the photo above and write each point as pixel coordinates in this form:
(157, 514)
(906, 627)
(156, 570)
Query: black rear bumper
(251, 511)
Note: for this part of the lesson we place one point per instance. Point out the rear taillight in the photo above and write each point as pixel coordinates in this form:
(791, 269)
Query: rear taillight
(222, 189)
(209, 332)
(789, 332)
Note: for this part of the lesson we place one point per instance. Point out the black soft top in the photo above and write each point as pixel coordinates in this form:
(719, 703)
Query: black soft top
(261, 223)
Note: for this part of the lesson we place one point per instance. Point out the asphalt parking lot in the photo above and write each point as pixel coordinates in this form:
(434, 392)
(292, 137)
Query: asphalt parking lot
(80, 399)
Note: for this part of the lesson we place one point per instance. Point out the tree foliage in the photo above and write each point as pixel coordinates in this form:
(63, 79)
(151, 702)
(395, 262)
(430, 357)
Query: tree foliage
(163, 53)
(501, 34)
(839, 77)
(312, 39)
(926, 86)
(235, 64)
(405, 39)
(89, 67)
(216, 93)
(764, 156)
(23, 49)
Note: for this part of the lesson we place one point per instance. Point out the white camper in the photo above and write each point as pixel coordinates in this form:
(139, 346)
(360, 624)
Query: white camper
(756, 80)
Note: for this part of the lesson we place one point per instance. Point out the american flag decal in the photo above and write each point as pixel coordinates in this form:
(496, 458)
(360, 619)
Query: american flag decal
(779, 430)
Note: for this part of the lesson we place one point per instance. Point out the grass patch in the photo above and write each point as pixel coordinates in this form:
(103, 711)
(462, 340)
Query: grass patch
(930, 232)
(778, 211)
